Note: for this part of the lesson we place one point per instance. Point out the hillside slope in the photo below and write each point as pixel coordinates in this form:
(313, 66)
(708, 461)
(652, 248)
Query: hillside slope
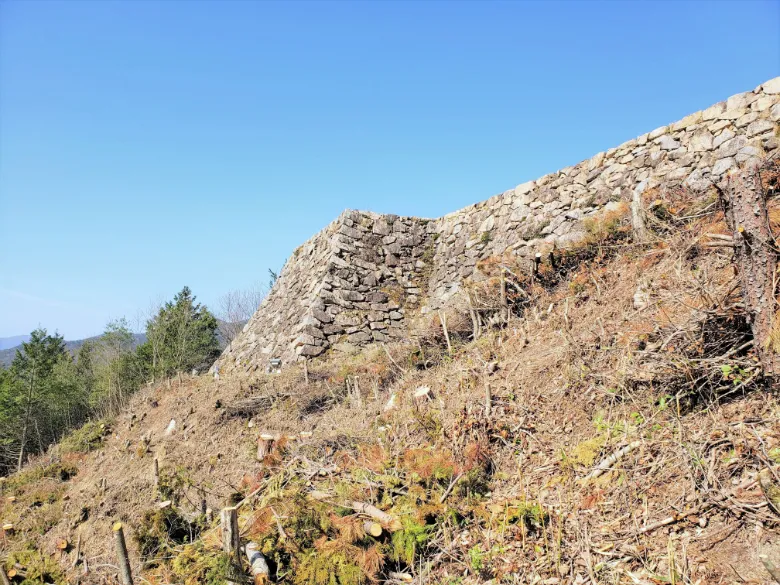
(607, 425)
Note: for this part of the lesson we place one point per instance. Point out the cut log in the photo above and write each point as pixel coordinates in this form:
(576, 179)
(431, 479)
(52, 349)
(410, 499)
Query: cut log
(744, 203)
(372, 528)
(121, 553)
(388, 521)
(257, 563)
(231, 542)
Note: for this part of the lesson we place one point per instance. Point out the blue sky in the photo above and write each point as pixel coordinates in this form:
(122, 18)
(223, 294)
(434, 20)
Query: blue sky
(149, 145)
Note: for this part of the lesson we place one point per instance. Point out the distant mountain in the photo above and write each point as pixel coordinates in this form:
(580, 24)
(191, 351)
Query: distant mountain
(8, 352)
(7, 342)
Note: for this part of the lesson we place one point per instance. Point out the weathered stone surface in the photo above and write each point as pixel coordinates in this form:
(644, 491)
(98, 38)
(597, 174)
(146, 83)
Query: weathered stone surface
(722, 137)
(772, 86)
(723, 165)
(759, 127)
(701, 141)
(731, 147)
(360, 279)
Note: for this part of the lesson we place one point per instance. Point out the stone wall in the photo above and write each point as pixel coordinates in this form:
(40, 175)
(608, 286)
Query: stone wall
(349, 285)
(354, 282)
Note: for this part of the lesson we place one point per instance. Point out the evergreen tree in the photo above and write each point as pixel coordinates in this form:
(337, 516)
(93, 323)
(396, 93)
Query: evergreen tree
(116, 368)
(182, 336)
(32, 369)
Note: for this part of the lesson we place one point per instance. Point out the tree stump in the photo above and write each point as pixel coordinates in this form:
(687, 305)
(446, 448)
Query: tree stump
(744, 203)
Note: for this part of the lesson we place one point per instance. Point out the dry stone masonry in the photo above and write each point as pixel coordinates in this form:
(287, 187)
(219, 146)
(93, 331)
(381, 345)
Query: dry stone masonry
(354, 282)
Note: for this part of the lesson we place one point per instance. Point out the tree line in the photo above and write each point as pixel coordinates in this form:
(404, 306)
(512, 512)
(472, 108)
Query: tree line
(46, 391)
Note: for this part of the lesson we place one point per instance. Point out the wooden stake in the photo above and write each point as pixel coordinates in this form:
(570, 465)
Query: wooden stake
(443, 320)
(231, 541)
(504, 306)
(488, 400)
(156, 466)
(306, 371)
(121, 552)
(76, 559)
(203, 507)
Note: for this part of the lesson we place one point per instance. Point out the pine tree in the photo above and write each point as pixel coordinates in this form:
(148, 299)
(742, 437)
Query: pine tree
(182, 336)
(32, 368)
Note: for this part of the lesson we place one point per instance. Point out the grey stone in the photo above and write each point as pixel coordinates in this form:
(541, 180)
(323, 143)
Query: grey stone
(759, 127)
(722, 137)
(732, 147)
(723, 165)
(772, 86)
(668, 143)
(701, 141)
(698, 180)
(310, 350)
(346, 348)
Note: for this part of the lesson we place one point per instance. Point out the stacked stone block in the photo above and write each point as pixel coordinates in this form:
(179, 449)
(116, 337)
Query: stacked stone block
(355, 282)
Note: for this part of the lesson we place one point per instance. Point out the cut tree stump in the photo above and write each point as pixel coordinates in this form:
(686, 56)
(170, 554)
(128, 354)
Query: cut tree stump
(265, 443)
(745, 209)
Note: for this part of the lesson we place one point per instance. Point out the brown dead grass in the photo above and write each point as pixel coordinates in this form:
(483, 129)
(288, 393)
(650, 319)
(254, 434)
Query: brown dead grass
(586, 371)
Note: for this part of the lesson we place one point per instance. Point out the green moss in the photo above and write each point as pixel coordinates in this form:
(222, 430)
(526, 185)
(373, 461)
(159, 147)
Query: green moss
(485, 238)
(407, 542)
(33, 475)
(39, 568)
(585, 453)
(317, 568)
(87, 438)
(195, 565)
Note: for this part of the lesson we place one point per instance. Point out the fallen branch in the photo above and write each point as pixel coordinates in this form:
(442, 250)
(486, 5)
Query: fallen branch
(388, 521)
(446, 494)
(697, 510)
(387, 351)
(605, 465)
(770, 488)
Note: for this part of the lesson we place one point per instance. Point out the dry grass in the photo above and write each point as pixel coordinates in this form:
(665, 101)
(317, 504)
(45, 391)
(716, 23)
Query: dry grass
(616, 345)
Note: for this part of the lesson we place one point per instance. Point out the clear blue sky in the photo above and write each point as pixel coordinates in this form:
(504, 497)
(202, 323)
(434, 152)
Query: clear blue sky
(149, 145)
